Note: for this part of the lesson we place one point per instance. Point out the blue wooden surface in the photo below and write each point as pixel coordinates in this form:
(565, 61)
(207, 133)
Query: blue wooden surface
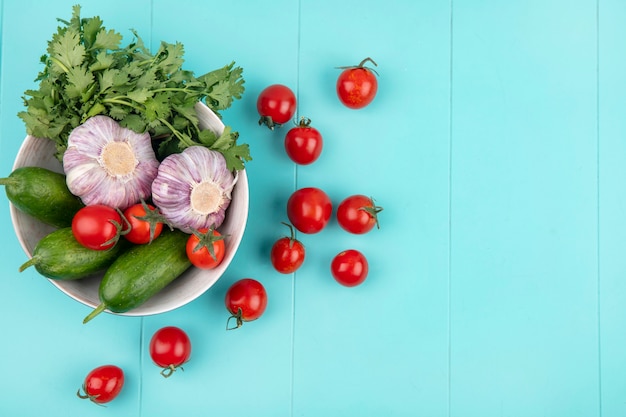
(496, 145)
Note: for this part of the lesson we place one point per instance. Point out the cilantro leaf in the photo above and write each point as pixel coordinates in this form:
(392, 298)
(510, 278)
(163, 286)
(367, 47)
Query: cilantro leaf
(68, 52)
(236, 156)
(148, 79)
(188, 112)
(134, 122)
(103, 61)
(107, 79)
(118, 112)
(141, 95)
(91, 27)
(157, 107)
(78, 80)
(170, 57)
(107, 40)
(223, 85)
(220, 95)
(207, 137)
(225, 140)
(87, 72)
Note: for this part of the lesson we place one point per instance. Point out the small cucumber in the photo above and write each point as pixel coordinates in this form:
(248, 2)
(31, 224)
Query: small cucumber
(59, 256)
(141, 272)
(43, 194)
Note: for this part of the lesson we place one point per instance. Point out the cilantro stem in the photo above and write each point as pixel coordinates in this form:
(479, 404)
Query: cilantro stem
(122, 102)
(60, 64)
(183, 138)
(176, 133)
(161, 90)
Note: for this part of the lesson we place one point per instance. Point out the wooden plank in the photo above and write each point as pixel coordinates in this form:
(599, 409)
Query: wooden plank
(249, 368)
(612, 204)
(380, 348)
(48, 350)
(524, 209)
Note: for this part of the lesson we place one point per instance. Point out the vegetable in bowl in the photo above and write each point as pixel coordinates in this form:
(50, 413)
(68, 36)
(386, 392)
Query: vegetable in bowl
(184, 288)
(108, 164)
(90, 81)
(88, 73)
(193, 189)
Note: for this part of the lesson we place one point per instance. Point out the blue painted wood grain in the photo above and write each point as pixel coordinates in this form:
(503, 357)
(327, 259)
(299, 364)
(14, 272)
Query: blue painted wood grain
(496, 147)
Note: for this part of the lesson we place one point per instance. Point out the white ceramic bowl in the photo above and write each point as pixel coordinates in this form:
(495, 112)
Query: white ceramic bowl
(193, 283)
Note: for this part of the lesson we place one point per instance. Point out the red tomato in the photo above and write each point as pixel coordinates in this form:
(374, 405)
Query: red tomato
(97, 226)
(303, 143)
(146, 223)
(349, 268)
(287, 254)
(276, 105)
(309, 209)
(102, 384)
(246, 300)
(358, 214)
(206, 249)
(357, 85)
(170, 347)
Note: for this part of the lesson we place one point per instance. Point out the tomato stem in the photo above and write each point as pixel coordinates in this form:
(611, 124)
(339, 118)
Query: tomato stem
(120, 229)
(86, 396)
(269, 122)
(373, 211)
(168, 371)
(292, 237)
(237, 317)
(362, 65)
(304, 122)
(206, 240)
(153, 216)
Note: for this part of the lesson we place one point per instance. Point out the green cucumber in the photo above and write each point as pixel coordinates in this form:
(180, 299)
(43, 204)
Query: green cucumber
(42, 194)
(141, 272)
(59, 256)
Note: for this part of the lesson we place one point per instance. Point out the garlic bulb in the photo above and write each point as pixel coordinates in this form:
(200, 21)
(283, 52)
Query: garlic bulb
(108, 164)
(193, 188)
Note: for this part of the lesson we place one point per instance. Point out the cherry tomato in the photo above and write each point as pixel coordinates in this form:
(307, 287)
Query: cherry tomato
(206, 249)
(357, 85)
(246, 300)
(146, 223)
(276, 104)
(97, 226)
(287, 254)
(303, 143)
(358, 214)
(349, 268)
(309, 209)
(170, 348)
(102, 384)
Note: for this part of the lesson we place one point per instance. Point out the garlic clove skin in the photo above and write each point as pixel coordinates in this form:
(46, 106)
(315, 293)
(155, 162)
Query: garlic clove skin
(108, 164)
(193, 188)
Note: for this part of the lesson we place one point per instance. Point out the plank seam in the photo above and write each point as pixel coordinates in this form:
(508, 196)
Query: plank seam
(293, 275)
(598, 172)
(450, 137)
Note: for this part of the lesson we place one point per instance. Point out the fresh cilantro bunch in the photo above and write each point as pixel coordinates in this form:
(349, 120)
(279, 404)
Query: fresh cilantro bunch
(86, 73)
